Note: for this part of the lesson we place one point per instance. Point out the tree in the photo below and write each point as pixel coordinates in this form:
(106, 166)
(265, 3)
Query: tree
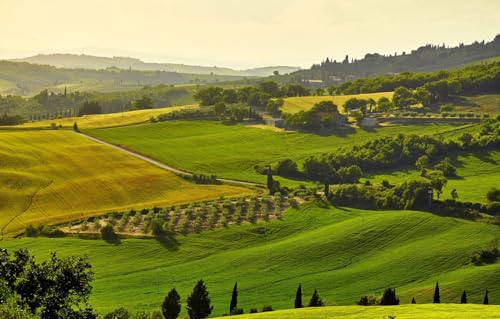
(446, 167)
(198, 303)
(316, 300)
(270, 87)
(389, 298)
(120, 313)
(438, 183)
(90, 107)
(287, 167)
(485, 300)
(422, 162)
(209, 96)
(234, 299)
(108, 233)
(75, 127)
(276, 72)
(454, 194)
(384, 104)
(422, 95)
(144, 102)
(493, 195)
(220, 108)
(413, 301)
(403, 98)
(54, 289)
(463, 299)
(270, 181)
(437, 298)
(171, 306)
(298, 297)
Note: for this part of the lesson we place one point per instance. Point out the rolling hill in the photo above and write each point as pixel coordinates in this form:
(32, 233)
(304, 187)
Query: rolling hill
(56, 176)
(232, 151)
(83, 61)
(344, 253)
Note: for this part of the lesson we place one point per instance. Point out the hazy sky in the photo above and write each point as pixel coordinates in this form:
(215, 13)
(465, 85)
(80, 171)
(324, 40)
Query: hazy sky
(240, 33)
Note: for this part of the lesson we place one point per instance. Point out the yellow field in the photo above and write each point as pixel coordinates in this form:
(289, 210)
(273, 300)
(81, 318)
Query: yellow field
(304, 103)
(107, 120)
(427, 311)
(56, 176)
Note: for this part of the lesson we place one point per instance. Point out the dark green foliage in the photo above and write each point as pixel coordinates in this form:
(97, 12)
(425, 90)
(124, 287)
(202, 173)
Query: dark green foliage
(237, 311)
(413, 301)
(120, 313)
(198, 303)
(270, 181)
(267, 308)
(56, 288)
(145, 102)
(44, 230)
(288, 168)
(463, 299)
(323, 115)
(75, 127)
(171, 306)
(90, 107)
(253, 310)
(368, 301)
(108, 233)
(493, 195)
(486, 300)
(234, 299)
(446, 167)
(298, 297)
(436, 298)
(389, 298)
(316, 300)
(11, 119)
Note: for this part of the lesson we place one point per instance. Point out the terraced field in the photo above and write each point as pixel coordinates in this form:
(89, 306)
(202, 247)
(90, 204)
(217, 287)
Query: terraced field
(232, 151)
(106, 120)
(54, 176)
(344, 253)
(304, 103)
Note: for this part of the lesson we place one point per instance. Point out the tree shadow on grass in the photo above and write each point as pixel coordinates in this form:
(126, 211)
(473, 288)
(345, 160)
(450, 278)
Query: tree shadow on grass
(169, 242)
(113, 240)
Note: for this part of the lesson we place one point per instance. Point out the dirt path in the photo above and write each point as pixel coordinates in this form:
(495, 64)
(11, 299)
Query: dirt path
(161, 165)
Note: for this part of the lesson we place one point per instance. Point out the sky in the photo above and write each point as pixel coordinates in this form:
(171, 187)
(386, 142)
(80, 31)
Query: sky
(240, 33)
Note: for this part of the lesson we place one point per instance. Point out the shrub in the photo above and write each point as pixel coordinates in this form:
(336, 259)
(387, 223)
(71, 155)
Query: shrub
(368, 301)
(493, 195)
(253, 310)
(237, 311)
(389, 298)
(120, 313)
(108, 233)
(267, 308)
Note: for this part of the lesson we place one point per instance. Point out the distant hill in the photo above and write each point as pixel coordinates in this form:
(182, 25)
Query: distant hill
(83, 61)
(425, 58)
(21, 78)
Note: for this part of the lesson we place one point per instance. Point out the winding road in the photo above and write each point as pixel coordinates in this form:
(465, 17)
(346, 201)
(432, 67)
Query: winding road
(162, 165)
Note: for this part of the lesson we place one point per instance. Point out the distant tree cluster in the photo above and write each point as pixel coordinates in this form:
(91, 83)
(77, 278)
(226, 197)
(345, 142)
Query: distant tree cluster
(266, 95)
(11, 119)
(323, 115)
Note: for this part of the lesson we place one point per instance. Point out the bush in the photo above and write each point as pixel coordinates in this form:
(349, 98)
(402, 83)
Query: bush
(120, 313)
(368, 301)
(108, 233)
(389, 298)
(267, 308)
(493, 208)
(493, 195)
(253, 310)
(237, 311)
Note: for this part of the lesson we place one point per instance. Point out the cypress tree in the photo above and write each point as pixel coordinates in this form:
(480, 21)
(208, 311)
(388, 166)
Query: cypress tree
(437, 299)
(298, 297)
(389, 298)
(234, 299)
(413, 300)
(486, 301)
(198, 303)
(270, 181)
(464, 297)
(171, 306)
(75, 127)
(315, 300)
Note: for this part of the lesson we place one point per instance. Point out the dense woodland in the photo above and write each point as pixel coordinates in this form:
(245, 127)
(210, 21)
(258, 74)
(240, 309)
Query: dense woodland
(425, 58)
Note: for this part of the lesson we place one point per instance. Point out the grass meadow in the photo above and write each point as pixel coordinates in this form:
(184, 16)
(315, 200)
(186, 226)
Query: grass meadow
(344, 253)
(232, 151)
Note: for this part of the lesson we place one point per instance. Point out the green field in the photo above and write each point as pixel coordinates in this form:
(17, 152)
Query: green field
(344, 253)
(477, 173)
(233, 151)
(304, 103)
(442, 311)
(55, 176)
(479, 104)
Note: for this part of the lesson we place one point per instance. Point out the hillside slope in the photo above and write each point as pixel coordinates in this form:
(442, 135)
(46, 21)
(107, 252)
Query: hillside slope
(56, 176)
(344, 253)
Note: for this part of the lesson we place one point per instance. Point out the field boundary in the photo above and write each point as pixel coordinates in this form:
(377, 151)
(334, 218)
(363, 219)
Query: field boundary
(162, 165)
